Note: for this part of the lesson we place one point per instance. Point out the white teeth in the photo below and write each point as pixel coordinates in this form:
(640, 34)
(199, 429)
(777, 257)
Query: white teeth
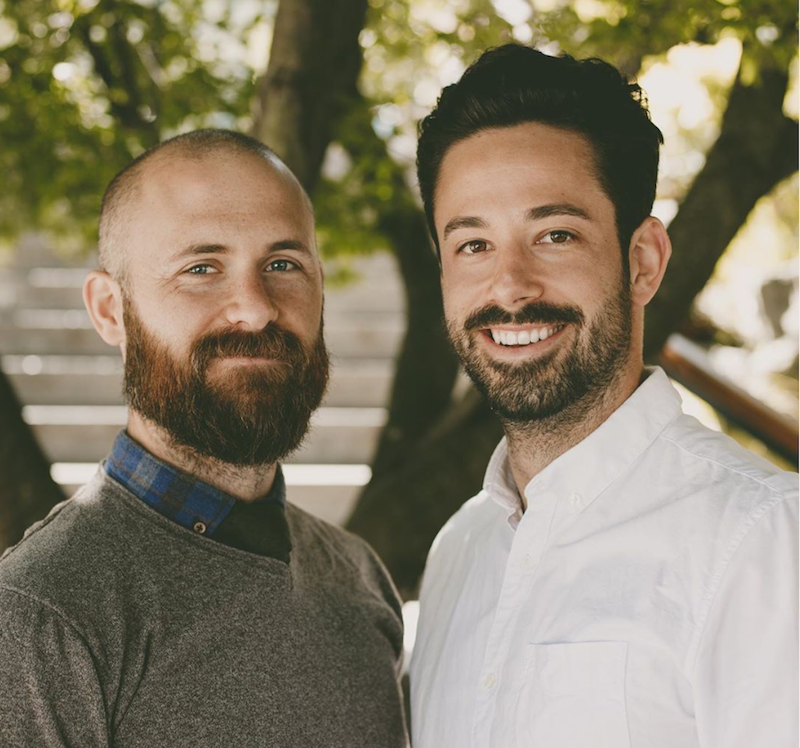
(523, 337)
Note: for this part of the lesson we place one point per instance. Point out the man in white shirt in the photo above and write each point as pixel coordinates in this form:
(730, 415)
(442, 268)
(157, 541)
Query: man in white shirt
(626, 577)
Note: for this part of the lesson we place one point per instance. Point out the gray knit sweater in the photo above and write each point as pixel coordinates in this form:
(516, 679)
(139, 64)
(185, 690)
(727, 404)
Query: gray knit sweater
(120, 628)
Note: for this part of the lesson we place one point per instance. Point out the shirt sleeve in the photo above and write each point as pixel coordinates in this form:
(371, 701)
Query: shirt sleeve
(50, 693)
(746, 690)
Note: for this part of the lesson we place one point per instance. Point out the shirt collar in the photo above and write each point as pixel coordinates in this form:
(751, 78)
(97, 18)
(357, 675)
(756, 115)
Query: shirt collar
(175, 494)
(499, 483)
(588, 468)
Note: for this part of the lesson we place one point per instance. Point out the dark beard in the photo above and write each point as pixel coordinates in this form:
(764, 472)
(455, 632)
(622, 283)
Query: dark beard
(256, 416)
(564, 384)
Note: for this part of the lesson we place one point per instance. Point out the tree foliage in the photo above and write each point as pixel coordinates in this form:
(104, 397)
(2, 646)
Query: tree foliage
(86, 85)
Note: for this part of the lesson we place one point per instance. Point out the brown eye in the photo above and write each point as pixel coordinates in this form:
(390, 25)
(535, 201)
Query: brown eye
(474, 247)
(557, 237)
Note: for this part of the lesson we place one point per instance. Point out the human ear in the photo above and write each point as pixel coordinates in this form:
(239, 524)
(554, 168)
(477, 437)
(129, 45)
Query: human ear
(650, 250)
(102, 296)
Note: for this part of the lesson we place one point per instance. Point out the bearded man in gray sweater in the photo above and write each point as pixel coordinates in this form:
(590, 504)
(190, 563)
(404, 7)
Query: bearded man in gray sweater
(177, 599)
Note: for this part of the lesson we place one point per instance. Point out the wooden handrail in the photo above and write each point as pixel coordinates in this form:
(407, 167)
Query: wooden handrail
(689, 364)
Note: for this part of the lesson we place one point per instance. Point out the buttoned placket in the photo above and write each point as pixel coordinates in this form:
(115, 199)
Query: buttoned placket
(529, 544)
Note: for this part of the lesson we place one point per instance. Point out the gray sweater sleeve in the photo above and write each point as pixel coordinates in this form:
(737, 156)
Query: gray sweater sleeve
(50, 694)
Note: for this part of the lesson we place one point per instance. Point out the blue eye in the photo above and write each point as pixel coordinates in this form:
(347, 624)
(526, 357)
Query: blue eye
(280, 266)
(203, 269)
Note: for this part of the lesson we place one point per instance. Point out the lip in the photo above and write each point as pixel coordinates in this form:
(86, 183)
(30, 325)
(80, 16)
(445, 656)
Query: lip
(520, 352)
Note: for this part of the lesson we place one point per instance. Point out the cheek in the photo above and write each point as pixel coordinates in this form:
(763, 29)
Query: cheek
(457, 294)
(177, 327)
(451, 304)
(587, 281)
(301, 313)
(177, 324)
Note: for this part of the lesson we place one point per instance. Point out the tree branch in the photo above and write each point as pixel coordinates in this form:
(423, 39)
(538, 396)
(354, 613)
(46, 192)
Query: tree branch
(756, 149)
(123, 92)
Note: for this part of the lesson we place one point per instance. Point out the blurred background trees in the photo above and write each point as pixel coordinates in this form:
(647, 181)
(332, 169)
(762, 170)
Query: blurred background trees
(337, 89)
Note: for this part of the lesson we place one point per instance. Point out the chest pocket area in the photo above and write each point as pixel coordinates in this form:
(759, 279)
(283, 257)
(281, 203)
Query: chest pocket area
(573, 696)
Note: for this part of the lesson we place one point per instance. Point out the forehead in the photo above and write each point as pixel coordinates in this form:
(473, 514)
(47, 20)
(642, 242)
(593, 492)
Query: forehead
(532, 162)
(220, 192)
(217, 181)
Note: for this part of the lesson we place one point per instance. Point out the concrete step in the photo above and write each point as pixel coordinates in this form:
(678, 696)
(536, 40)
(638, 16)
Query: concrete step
(369, 337)
(327, 491)
(71, 433)
(65, 380)
(97, 380)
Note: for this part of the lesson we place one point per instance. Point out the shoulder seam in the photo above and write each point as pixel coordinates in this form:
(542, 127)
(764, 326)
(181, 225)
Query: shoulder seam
(37, 526)
(724, 466)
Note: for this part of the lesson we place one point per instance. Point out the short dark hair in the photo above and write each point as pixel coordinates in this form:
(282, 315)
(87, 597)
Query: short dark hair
(124, 185)
(514, 84)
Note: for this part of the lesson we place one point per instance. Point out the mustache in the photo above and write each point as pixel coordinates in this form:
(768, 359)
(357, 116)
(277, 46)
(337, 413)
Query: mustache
(537, 312)
(272, 342)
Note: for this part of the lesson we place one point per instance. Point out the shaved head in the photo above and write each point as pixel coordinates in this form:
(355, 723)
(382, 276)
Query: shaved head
(120, 195)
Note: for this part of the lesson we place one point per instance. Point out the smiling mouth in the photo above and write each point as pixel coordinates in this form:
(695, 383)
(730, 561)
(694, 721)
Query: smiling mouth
(524, 336)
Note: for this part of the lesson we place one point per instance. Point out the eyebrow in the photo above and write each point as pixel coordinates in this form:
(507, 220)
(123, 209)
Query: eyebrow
(556, 209)
(534, 214)
(463, 222)
(194, 250)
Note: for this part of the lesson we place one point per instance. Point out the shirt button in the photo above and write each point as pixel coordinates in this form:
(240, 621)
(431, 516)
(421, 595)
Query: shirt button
(576, 502)
(490, 681)
(527, 561)
(200, 528)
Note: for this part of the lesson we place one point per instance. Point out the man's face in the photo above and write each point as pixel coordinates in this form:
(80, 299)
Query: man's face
(536, 302)
(223, 308)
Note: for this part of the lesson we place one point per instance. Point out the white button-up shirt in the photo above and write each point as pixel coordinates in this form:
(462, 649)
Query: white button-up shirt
(647, 597)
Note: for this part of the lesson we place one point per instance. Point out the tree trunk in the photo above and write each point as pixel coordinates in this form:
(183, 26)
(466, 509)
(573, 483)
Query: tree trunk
(400, 512)
(310, 80)
(427, 367)
(756, 149)
(27, 492)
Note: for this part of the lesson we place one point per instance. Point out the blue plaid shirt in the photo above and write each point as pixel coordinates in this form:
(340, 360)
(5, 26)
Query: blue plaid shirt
(175, 494)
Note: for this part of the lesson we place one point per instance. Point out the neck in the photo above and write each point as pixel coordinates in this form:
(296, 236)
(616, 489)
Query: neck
(533, 445)
(243, 483)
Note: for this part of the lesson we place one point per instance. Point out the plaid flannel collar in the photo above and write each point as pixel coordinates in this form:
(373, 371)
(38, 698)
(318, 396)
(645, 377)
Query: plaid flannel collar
(175, 494)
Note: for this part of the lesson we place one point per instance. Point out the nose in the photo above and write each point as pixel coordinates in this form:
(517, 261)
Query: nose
(517, 278)
(250, 307)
